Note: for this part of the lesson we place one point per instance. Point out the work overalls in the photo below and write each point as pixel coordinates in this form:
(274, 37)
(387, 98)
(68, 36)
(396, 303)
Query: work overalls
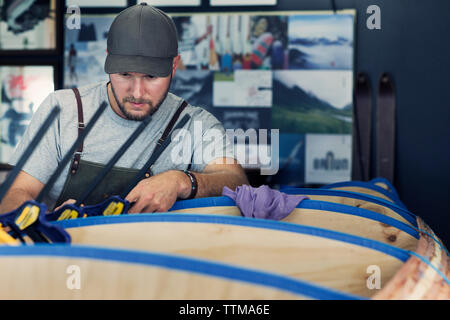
(83, 172)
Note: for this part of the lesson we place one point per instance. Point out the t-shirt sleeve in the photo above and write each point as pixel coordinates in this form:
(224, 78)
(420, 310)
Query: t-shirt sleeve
(46, 156)
(214, 143)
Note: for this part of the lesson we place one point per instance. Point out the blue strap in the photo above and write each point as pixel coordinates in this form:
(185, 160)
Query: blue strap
(388, 183)
(349, 194)
(360, 212)
(366, 185)
(410, 217)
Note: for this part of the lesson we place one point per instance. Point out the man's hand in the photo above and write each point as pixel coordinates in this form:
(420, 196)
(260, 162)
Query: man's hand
(70, 201)
(158, 193)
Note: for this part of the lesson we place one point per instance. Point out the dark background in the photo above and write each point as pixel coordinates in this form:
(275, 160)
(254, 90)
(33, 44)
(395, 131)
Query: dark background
(413, 46)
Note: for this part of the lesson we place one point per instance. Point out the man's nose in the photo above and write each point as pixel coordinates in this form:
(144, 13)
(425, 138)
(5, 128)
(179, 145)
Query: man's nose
(138, 88)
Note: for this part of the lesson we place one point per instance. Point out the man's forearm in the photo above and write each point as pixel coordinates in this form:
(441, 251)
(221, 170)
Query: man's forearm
(211, 184)
(13, 199)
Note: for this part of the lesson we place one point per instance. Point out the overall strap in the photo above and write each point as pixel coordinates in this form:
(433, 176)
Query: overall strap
(76, 158)
(167, 131)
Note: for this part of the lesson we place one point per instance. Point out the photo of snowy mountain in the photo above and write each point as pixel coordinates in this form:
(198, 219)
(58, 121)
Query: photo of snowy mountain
(321, 41)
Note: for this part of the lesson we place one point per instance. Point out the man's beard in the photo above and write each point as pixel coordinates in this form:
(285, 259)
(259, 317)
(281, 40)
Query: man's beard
(135, 117)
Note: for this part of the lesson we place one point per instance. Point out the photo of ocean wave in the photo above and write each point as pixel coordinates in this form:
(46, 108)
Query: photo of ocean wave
(321, 41)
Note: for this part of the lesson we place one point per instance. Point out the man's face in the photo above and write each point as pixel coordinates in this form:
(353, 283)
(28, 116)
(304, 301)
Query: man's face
(138, 95)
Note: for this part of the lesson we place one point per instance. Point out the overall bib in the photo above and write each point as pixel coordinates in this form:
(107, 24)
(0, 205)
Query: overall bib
(82, 172)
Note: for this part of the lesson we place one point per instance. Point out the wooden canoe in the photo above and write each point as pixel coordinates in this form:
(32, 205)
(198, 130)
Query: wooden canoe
(399, 231)
(325, 258)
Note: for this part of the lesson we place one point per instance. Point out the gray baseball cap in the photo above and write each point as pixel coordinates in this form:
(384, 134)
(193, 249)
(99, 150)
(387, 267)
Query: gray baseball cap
(142, 39)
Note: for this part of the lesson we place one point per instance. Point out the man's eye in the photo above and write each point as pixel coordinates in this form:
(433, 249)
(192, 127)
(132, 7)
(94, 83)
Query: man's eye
(124, 74)
(149, 76)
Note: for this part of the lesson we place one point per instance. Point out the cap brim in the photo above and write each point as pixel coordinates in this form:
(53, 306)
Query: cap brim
(158, 67)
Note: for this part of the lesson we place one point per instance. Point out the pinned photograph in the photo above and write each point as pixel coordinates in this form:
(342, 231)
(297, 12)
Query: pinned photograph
(23, 90)
(244, 118)
(292, 161)
(328, 158)
(269, 42)
(250, 88)
(243, 2)
(85, 51)
(170, 3)
(195, 86)
(232, 42)
(28, 25)
(194, 37)
(97, 3)
(319, 101)
(321, 41)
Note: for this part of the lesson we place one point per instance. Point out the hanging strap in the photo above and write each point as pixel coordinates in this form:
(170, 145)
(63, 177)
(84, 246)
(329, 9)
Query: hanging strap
(166, 132)
(362, 129)
(77, 156)
(385, 128)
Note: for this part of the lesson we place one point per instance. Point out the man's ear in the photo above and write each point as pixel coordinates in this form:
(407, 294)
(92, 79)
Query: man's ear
(176, 60)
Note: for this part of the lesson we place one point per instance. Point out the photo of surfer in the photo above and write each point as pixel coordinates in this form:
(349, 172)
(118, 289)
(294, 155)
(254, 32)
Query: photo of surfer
(321, 41)
(269, 42)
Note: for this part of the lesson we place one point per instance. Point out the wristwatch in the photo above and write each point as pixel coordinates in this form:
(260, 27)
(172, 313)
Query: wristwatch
(194, 184)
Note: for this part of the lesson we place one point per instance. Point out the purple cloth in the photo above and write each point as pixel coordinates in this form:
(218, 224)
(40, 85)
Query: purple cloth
(263, 202)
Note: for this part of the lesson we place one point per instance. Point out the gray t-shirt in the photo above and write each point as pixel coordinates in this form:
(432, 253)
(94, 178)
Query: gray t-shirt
(201, 140)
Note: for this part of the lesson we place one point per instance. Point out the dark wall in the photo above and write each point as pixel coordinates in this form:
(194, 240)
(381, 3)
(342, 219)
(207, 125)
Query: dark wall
(413, 45)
